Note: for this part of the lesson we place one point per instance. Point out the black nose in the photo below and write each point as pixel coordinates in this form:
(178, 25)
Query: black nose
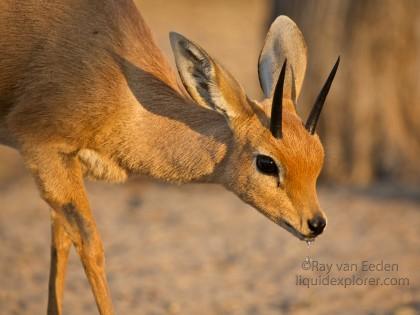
(317, 224)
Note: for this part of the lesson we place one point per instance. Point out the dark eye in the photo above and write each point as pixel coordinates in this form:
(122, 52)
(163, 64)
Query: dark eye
(266, 165)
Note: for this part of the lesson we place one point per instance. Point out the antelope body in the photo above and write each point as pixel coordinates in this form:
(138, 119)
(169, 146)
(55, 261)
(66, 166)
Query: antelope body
(85, 91)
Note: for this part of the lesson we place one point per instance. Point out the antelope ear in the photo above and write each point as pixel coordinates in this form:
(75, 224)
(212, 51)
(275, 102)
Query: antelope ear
(206, 81)
(284, 41)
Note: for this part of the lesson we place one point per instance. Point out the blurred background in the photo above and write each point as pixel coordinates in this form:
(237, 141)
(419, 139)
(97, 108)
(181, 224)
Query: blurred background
(197, 249)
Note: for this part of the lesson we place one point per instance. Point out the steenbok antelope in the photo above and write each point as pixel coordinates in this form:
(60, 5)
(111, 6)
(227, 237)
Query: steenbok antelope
(85, 91)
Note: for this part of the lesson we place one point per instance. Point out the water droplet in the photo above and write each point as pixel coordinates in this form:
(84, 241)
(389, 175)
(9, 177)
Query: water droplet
(309, 242)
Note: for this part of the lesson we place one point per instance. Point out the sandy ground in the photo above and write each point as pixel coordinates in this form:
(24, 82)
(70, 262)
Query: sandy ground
(197, 249)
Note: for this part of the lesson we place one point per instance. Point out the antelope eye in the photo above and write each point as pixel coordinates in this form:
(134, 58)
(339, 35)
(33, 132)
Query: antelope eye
(266, 165)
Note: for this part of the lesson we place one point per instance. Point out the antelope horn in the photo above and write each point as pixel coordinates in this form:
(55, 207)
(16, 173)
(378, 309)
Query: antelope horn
(320, 100)
(277, 105)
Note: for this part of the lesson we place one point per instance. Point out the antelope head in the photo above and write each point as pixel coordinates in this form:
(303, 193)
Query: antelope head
(274, 159)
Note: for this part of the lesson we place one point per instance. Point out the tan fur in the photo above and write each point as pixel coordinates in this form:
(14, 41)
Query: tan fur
(84, 91)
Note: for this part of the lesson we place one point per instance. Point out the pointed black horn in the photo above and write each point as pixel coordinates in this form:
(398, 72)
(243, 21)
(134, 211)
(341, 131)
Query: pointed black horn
(277, 105)
(320, 100)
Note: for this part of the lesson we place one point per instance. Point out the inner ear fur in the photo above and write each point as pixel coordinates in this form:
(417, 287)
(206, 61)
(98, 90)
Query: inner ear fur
(206, 81)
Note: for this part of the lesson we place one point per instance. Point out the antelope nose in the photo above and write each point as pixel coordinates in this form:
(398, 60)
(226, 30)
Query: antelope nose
(317, 224)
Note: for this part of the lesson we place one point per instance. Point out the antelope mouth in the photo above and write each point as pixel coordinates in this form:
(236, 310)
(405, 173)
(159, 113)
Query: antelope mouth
(288, 227)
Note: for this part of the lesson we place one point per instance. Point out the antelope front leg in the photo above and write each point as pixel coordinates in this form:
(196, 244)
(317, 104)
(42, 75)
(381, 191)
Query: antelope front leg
(89, 246)
(60, 179)
(60, 247)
